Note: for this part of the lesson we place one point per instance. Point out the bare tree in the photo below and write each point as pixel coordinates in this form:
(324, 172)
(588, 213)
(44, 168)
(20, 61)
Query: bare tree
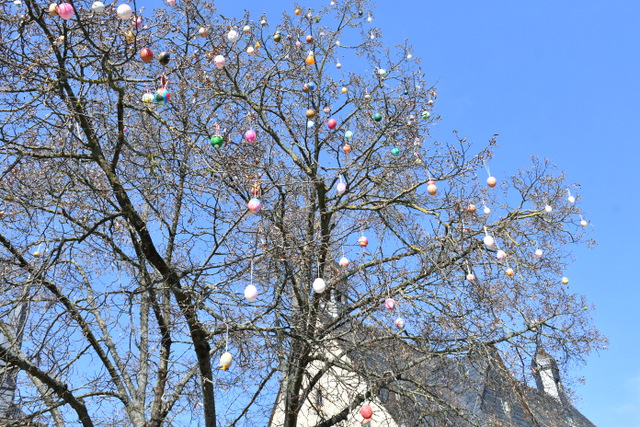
(141, 196)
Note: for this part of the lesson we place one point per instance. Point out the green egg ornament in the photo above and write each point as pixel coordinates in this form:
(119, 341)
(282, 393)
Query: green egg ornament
(277, 37)
(217, 141)
(377, 117)
(395, 151)
(426, 114)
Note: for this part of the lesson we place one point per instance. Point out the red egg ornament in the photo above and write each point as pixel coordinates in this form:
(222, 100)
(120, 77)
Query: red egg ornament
(363, 242)
(366, 412)
(146, 54)
(332, 123)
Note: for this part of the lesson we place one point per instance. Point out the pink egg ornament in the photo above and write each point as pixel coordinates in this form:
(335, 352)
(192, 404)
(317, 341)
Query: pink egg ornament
(65, 11)
(366, 412)
(501, 255)
(254, 205)
(489, 241)
(219, 61)
(538, 253)
(341, 187)
(431, 187)
(250, 135)
(399, 322)
(390, 303)
(332, 123)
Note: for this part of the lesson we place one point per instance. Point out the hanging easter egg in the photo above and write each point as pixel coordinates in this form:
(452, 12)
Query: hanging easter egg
(341, 187)
(510, 272)
(251, 50)
(148, 98)
(277, 37)
(399, 322)
(406, 92)
(487, 211)
(146, 54)
(571, 199)
(583, 223)
(345, 90)
(501, 255)
(338, 65)
(310, 113)
(312, 85)
(306, 88)
(310, 124)
(310, 60)
(264, 22)
(426, 114)
(395, 151)
(471, 277)
(97, 7)
(346, 148)
(53, 9)
(344, 262)
(489, 241)
(124, 12)
(431, 188)
(203, 31)
(538, 253)
(254, 205)
(297, 11)
(377, 117)
(327, 110)
(548, 208)
(130, 37)
(65, 11)
(332, 123)
(219, 61)
(565, 280)
(363, 242)
(319, 286)
(471, 208)
(233, 36)
(250, 135)
(348, 135)
(251, 293)
(246, 29)
(366, 412)
(171, 2)
(492, 181)
(164, 58)
(390, 303)
(216, 141)
(162, 96)
(138, 22)
(298, 43)
(225, 361)
(309, 38)
(382, 72)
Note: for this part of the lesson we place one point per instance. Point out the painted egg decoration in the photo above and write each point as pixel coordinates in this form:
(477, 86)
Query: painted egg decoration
(310, 59)
(431, 187)
(310, 124)
(548, 208)
(327, 110)
(53, 9)
(138, 22)
(363, 242)
(426, 114)
(306, 88)
(146, 54)
(219, 61)
(571, 199)
(399, 322)
(251, 50)
(319, 285)
(250, 135)
(377, 117)
(148, 98)
(312, 85)
(538, 253)
(332, 123)
(203, 31)
(164, 58)
(97, 7)
(486, 210)
(492, 181)
(162, 96)
(366, 412)
(348, 135)
(338, 65)
(471, 208)
(65, 11)
(341, 187)
(345, 90)
(225, 361)
(501, 255)
(124, 12)
(382, 72)
(310, 113)
(395, 151)
(510, 272)
(246, 29)
(390, 303)
(583, 223)
(344, 262)
(297, 11)
(130, 37)
(309, 38)
(346, 148)
(277, 37)
(471, 277)
(254, 205)
(171, 2)
(233, 36)
(216, 141)
(489, 241)
(251, 293)
(565, 280)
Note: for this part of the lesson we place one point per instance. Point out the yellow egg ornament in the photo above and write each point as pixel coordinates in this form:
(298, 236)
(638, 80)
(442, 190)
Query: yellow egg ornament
(565, 281)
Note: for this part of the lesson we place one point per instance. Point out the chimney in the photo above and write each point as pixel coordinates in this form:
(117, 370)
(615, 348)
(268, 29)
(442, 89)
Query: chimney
(547, 375)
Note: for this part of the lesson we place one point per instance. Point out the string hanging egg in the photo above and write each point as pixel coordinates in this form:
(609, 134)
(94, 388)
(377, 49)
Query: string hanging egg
(97, 7)
(471, 277)
(65, 11)
(162, 96)
(366, 412)
(332, 123)
(319, 286)
(395, 151)
(246, 29)
(377, 117)
(254, 205)
(146, 54)
(346, 148)
(492, 181)
(203, 31)
(486, 210)
(310, 59)
(124, 12)
(164, 58)
(225, 361)
(425, 114)
(344, 262)
(251, 51)
(471, 208)
(538, 253)
(399, 322)
(233, 36)
(488, 240)
(250, 293)
(431, 187)
(501, 255)
(216, 141)
(390, 303)
(250, 135)
(382, 72)
(510, 272)
(219, 61)
(548, 208)
(363, 242)
(348, 135)
(341, 187)
(565, 280)
(148, 98)
(310, 113)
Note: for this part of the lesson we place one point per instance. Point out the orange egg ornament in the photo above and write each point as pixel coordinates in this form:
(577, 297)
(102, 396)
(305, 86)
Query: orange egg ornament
(310, 59)
(431, 188)
(146, 54)
(346, 148)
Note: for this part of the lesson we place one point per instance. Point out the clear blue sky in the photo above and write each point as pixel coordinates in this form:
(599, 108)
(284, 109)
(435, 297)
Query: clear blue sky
(556, 79)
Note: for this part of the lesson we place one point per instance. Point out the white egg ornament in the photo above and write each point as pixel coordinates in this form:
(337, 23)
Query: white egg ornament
(390, 304)
(220, 61)
(382, 72)
(399, 322)
(225, 361)
(492, 181)
(254, 205)
(583, 223)
(571, 199)
(501, 255)
(97, 7)
(471, 277)
(538, 253)
(487, 211)
(489, 241)
(548, 208)
(431, 187)
(124, 12)
(319, 286)
(341, 187)
(344, 262)
(251, 293)
(233, 36)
